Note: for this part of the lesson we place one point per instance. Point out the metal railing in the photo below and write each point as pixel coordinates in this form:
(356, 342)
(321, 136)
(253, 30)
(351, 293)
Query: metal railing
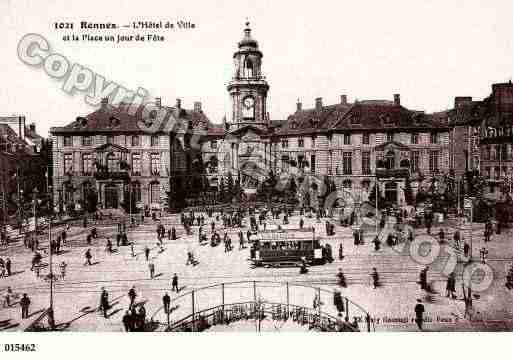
(186, 307)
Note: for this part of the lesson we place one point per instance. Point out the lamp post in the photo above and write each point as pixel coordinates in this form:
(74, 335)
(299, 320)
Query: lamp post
(51, 320)
(34, 203)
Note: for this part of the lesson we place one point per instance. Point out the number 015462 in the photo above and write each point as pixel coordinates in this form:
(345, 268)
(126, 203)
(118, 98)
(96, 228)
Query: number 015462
(19, 347)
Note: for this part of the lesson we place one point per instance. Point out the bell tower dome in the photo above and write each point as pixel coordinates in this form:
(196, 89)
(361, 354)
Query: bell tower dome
(248, 87)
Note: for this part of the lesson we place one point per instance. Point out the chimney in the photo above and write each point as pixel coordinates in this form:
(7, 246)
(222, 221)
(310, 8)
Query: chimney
(158, 102)
(343, 99)
(318, 103)
(397, 99)
(105, 102)
(197, 106)
(32, 128)
(460, 101)
(299, 105)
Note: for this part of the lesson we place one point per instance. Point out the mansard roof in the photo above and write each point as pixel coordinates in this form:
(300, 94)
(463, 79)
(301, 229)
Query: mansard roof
(380, 114)
(109, 119)
(311, 121)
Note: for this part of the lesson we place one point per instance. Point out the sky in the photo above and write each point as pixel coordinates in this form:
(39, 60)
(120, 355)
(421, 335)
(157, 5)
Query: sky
(427, 51)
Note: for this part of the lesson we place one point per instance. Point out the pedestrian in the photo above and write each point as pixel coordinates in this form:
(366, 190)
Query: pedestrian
(419, 314)
(466, 249)
(377, 243)
(174, 283)
(147, 253)
(340, 251)
(62, 267)
(173, 233)
(301, 223)
(151, 266)
(7, 297)
(127, 321)
(25, 304)
(142, 317)
(484, 255)
(132, 249)
(88, 257)
(104, 302)
(375, 278)
(166, 300)
(131, 296)
(8, 266)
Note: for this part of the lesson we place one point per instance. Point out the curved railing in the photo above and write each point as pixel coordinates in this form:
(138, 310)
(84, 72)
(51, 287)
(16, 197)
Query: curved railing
(188, 307)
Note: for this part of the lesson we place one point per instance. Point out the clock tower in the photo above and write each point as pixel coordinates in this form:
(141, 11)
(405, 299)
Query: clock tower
(248, 88)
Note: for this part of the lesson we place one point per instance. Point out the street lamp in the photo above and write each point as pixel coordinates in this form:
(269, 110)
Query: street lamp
(34, 203)
(51, 320)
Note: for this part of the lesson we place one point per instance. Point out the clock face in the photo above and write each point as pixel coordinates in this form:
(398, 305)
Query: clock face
(249, 102)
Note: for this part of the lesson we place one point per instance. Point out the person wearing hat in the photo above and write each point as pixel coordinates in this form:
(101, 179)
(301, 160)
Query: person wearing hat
(24, 303)
(104, 302)
(419, 314)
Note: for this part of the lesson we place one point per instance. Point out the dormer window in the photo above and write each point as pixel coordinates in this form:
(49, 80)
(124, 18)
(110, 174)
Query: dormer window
(113, 121)
(355, 120)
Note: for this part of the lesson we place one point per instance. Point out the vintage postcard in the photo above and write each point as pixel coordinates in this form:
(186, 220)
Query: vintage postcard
(239, 166)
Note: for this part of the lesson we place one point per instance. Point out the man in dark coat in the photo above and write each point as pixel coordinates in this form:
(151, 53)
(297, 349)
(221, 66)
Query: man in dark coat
(419, 313)
(127, 321)
(147, 253)
(131, 296)
(166, 300)
(8, 266)
(104, 302)
(174, 283)
(88, 257)
(24, 303)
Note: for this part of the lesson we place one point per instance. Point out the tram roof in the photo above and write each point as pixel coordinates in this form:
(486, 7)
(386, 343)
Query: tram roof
(305, 234)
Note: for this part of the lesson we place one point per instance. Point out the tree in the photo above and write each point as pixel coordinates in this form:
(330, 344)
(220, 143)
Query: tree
(381, 198)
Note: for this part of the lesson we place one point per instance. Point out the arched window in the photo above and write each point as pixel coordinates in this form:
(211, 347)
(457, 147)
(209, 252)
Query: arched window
(390, 160)
(155, 192)
(248, 68)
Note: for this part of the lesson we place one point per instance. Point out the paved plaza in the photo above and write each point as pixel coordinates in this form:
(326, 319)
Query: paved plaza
(77, 296)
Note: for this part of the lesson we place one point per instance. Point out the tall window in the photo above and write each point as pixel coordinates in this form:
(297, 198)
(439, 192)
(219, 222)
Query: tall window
(497, 152)
(312, 163)
(366, 165)
(414, 163)
(301, 142)
(110, 139)
(87, 141)
(87, 164)
(68, 141)
(433, 161)
(136, 164)
(347, 138)
(365, 138)
(487, 153)
(390, 160)
(154, 141)
(136, 191)
(347, 158)
(155, 164)
(213, 145)
(284, 143)
(497, 172)
(414, 138)
(154, 192)
(68, 163)
(300, 161)
(434, 137)
(504, 151)
(488, 172)
(135, 140)
(390, 136)
(112, 162)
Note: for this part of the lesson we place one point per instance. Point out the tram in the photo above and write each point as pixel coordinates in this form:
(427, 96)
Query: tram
(278, 248)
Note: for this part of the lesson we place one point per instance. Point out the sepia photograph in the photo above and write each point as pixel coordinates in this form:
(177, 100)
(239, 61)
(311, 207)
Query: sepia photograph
(255, 167)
